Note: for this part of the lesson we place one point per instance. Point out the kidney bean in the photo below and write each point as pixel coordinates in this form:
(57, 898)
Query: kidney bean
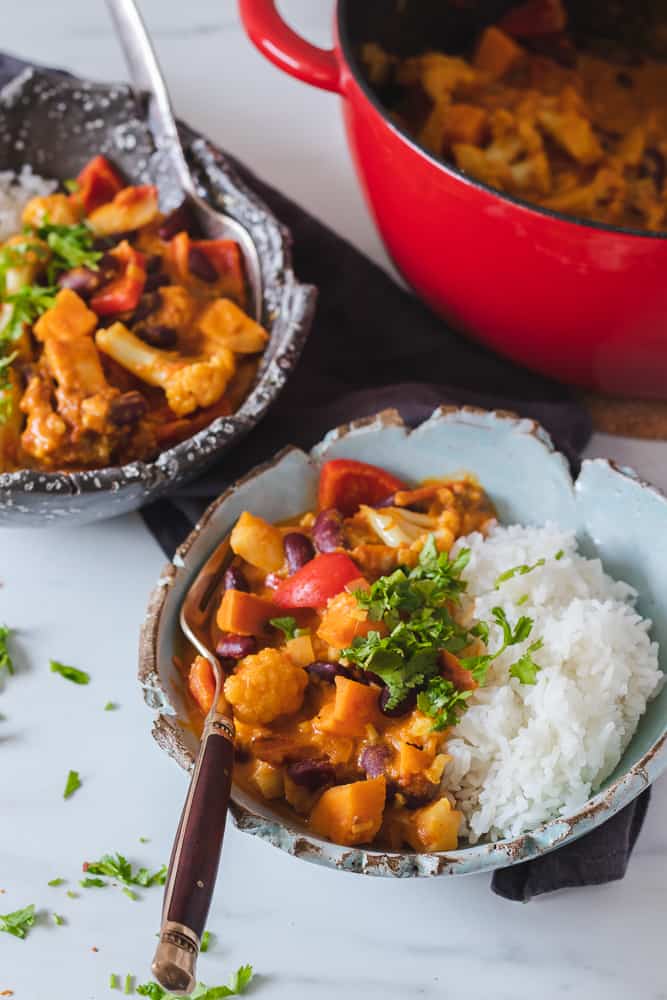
(312, 773)
(328, 530)
(180, 220)
(127, 409)
(158, 335)
(235, 647)
(416, 801)
(82, 280)
(327, 671)
(404, 706)
(298, 550)
(156, 280)
(153, 263)
(375, 760)
(201, 266)
(147, 303)
(234, 579)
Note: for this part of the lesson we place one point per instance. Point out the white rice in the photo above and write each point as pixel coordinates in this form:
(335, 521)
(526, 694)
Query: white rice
(15, 191)
(523, 754)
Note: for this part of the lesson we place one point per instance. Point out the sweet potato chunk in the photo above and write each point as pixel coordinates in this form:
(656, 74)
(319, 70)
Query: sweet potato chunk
(68, 318)
(466, 123)
(497, 53)
(131, 208)
(224, 324)
(258, 542)
(355, 705)
(412, 760)
(435, 827)
(350, 814)
(265, 686)
(343, 620)
(245, 614)
(201, 684)
(454, 672)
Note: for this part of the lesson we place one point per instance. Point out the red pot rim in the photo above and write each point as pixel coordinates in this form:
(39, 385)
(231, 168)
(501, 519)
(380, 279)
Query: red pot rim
(354, 67)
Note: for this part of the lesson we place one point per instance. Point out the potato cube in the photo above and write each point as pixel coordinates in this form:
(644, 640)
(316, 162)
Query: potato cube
(258, 542)
(350, 814)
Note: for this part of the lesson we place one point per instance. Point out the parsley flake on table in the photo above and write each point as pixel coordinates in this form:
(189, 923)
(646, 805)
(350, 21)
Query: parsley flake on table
(117, 866)
(205, 941)
(69, 673)
(237, 985)
(72, 784)
(19, 922)
(93, 883)
(58, 920)
(56, 881)
(6, 662)
(110, 706)
(130, 893)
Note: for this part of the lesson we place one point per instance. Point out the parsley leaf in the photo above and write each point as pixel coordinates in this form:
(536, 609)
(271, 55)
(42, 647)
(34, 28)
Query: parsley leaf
(237, 985)
(205, 941)
(71, 246)
(287, 625)
(110, 706)
(130, 893)
(70, 673)
(443, 702)
(72, 784)
(6, 662)
(27, 304)
(525, 669)
(518, 571)
(19, 922)
(56, 881)
(93, 883)
(58, 920)
(117, 866)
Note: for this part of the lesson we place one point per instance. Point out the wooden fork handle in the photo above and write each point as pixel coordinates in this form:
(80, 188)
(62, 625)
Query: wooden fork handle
(194, 861)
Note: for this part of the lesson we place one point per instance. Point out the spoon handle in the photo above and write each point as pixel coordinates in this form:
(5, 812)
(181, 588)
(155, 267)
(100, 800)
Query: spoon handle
(194, 861)
(147, 78)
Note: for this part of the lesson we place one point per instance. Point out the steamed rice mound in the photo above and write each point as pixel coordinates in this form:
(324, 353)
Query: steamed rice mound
(523, 754)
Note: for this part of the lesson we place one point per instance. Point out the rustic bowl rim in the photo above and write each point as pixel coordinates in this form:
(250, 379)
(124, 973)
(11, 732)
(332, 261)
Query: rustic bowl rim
(281, 832)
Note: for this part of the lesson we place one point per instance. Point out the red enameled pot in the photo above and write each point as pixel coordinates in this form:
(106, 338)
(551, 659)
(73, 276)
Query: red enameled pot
(580, 301)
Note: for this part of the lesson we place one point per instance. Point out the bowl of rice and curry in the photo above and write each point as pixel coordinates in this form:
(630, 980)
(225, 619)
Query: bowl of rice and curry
(429, 670)
(513, 156)
(129, 355)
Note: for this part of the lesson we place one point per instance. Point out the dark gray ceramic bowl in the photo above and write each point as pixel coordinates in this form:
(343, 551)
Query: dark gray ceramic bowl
(56, 123)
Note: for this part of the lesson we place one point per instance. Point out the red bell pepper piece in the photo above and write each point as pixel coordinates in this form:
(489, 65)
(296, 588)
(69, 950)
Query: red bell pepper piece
(312, 585)
(122, 294)
(98, 183)
(345, 484)
(224, 256)
(535, 18)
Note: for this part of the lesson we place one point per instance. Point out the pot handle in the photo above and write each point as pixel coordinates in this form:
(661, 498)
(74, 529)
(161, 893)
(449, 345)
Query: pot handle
(287, 50)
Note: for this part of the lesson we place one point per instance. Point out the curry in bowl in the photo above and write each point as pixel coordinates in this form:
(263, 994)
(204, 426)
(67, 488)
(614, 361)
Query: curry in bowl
(541, 114)
(121, 332)
(403, 671)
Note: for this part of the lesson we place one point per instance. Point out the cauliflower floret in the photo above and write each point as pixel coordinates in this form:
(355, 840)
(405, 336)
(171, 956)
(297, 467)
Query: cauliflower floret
(199, 384)
(265, 686)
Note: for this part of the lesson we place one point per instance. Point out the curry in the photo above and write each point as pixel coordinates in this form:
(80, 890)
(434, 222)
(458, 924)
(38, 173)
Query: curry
(121, 331)
(344, 660)
(528, 113)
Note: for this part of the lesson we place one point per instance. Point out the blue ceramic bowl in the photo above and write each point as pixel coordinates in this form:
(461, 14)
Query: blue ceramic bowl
(618, 518)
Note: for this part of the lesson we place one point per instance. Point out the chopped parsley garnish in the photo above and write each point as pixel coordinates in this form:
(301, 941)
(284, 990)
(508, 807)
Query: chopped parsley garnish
(19, 922)
(237, 985)
(69, 673)
(113, 981)
(205, 941)
(93, 883)
(522, 600)
(144, 840)
(110, 706)
(411, 606)
(130, 893)
(117, 866)
(6, 662)
(127, 989)
(559, 555)
(71, 246)
(27, 304)
(58, 920)
(525, 669)
(521, 570)
(71, 185)
(414, 607)
(72, 895)
(56, 881)
(72, 784)
(287, 625)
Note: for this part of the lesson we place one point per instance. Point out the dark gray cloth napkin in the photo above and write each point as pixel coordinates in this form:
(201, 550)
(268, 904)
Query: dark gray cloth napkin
(375, 346)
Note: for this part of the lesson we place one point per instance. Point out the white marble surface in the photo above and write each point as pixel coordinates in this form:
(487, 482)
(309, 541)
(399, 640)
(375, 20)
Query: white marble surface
(312, 934)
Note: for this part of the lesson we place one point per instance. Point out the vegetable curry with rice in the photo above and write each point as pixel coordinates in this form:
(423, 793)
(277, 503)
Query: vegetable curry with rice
(121, 332)
(347, 659)
(572, 123)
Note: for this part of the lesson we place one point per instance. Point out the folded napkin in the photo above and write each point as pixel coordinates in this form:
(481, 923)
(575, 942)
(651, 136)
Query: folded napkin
(375, 346)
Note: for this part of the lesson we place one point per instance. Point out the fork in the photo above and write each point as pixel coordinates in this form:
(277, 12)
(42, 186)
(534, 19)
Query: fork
(147, 79)
(196, 853)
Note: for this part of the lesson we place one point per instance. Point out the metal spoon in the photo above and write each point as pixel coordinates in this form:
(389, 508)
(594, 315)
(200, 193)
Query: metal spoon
(147, 79)
(196, 853)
